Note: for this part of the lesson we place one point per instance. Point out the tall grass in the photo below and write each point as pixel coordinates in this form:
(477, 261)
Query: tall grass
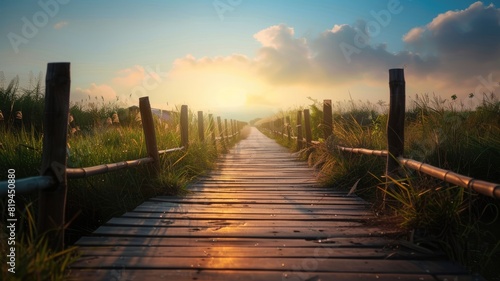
(94, 200)
(443, 133)
(35, 260)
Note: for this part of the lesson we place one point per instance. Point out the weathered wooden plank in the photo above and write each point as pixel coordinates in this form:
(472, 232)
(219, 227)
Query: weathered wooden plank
(248, 216)
(318, 201)
(251, 252)
(219, 223)
(319, 263)
(253, 191)
(337, 242)
(308, 198)
(257, 207)
(230, 186)
(242, 231)
(263, 213)
(242, 275)
(260, 181)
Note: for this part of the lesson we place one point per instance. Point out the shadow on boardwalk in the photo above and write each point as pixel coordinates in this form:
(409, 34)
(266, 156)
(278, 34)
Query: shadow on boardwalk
(259, 216)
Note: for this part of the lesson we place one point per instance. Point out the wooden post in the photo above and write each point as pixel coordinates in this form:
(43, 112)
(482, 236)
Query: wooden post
(148, 128)
(211, 127)
(299, 130)
(221, 132)
(327, 118)
(231, 125)
(52, 202)
(395, 122)
(225, 130)
(201, 127)
(307, 124)
(184, 126)
(288, 129)
(282, 125)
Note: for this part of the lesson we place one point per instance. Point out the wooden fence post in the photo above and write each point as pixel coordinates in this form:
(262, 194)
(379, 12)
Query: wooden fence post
(395, 122)
(52, 202)
(327, 118)
(307, 124)
(288, 129)
(231, 125)
(211, 127)
(299, 130)
(201, 127)
(184, 126)
(221, 132)
(226, 130)
(282, 126)
(148, 128)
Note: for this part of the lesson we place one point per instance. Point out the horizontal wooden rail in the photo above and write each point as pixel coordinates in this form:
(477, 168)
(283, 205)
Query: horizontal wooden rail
(382, 153)
(483, 187)
(74, 173)
(161, 152)
(28, 185)
(32, 184)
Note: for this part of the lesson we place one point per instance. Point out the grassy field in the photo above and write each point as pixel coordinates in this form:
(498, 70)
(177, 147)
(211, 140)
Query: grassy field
(94, 200)
(460, 136)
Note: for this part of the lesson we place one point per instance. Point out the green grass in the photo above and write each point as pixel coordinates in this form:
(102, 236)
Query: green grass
(446, 134)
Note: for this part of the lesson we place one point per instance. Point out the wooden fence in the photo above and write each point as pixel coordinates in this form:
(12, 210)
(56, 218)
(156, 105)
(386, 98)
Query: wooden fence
(52, 183)
(395, 140)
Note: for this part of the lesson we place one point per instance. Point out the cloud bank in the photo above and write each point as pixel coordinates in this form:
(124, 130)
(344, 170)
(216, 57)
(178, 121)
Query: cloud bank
(447, 53)
(458, 52)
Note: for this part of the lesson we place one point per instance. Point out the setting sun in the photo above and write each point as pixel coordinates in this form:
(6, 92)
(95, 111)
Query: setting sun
(230, 98)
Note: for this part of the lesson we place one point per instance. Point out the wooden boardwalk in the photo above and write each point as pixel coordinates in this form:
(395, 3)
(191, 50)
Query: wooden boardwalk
(259, 216)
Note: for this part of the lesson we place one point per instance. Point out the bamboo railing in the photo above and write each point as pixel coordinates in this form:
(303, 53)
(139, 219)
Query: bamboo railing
(395, 140)
(52, 184)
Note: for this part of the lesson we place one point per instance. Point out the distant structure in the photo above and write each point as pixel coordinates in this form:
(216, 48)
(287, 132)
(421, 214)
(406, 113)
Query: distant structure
(164, 116)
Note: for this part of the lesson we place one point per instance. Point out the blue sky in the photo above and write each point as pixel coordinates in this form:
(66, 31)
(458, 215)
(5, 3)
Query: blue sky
(245, 59)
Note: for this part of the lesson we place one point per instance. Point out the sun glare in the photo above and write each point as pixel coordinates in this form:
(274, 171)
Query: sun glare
(231, 98)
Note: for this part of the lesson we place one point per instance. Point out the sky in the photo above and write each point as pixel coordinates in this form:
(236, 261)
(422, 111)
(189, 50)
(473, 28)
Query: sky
(244, 59)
